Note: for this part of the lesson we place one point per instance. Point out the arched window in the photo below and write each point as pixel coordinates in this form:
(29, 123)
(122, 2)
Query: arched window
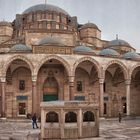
(88, 117)
(70, 117)
(52, 117)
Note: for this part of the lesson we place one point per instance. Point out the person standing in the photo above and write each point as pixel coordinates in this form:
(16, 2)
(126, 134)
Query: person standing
(34, 121)
(120, 117)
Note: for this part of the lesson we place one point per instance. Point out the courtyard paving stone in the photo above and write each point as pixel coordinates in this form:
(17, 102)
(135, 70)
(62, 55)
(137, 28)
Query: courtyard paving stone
(110, 129)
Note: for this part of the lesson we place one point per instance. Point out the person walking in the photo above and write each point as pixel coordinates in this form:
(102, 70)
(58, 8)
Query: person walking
(34, 121)
(120, 117)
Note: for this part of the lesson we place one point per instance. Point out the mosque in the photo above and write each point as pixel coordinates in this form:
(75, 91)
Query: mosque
(46, 55)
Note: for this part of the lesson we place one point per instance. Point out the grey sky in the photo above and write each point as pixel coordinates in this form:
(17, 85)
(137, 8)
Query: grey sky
(113, 17)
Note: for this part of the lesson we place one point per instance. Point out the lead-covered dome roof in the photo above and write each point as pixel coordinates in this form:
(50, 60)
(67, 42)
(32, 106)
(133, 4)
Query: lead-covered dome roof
(83, 48)
(109, 52)
(89, 25)
(20, 48)
(131, 55)
(50, 41)
(118, 42)
(45, 7)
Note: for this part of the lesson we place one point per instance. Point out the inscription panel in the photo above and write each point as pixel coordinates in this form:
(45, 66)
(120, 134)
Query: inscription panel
(51, 50)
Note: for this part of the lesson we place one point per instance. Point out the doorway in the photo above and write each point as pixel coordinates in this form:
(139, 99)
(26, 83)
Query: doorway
(50, 89)
(22, 108)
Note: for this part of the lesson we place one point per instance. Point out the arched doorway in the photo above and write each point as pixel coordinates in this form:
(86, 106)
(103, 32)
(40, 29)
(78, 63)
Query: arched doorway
(50, 88)
(114, 91)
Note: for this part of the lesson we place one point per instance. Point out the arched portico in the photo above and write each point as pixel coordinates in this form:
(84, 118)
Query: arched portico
(86, 81)
(115, 89)
(134, 90)
(88, 74)
(52, 79)
(17, 72)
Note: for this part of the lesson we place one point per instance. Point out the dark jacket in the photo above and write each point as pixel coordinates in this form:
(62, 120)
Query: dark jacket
(34, 118)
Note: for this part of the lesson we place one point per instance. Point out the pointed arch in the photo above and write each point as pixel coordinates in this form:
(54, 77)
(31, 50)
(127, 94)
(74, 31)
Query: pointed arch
(122, 66)
(132, 69)
(93, 61)
(61, 60)
(20, 57)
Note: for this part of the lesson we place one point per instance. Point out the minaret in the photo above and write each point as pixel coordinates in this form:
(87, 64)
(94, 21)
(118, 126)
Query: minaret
(45, 1)
(116, 36)
(46, 4)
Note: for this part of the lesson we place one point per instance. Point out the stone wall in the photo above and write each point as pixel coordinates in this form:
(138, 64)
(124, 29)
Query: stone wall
(67, 39)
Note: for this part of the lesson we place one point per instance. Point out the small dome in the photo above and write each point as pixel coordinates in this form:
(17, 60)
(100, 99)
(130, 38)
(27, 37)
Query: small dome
(89, 25)
(5, 23)
(83, 48)
(45, 7)
(118, 42)
(50, 40)
(109, 52)
(131, 55)
(20, 48)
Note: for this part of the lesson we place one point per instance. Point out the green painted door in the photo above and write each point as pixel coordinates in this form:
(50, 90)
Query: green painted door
(50, 98)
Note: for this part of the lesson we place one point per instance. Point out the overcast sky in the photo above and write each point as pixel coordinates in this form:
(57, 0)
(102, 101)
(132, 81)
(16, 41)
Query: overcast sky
(113, 17)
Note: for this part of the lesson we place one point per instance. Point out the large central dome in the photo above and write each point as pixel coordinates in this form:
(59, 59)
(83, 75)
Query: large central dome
(45, 7)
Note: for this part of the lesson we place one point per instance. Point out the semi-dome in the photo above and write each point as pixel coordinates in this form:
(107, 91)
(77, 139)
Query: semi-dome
(20, 48)
(50, 40)
(118, 42)
(5, 23)
(45, 7)
(89, 25)
(83, 49)
(131, 55)
(109, 52)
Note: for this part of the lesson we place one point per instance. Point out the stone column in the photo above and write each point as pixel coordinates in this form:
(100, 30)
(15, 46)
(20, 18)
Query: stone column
(3, 83)
(34, 94)
(80, 121)
(71, 87)
(61, 122)
(101, 83)
(43, 122)
(127, 83)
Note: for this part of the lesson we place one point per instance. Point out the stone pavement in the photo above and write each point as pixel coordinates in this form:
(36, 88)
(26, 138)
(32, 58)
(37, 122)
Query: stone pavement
(110, 129)
(18, 130)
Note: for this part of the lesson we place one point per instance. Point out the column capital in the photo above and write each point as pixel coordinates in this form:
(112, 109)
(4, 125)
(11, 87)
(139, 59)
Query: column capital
(127, 81)
(71, 79)
(34, 78)
(71, 84)
(101, 80)
(3, 79)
